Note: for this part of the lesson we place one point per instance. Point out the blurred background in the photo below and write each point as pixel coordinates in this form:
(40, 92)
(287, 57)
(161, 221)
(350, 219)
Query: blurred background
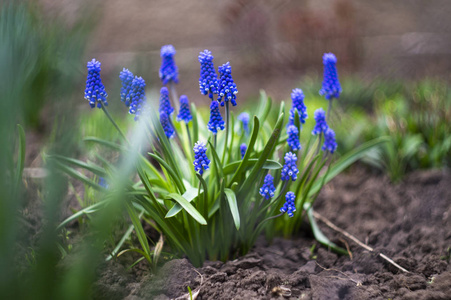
(394, 62)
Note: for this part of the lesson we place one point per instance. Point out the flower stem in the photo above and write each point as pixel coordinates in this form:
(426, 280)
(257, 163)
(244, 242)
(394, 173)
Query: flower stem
(114, 123)
(329, 108)
(189, 135)
(227, 130)
(174, 96)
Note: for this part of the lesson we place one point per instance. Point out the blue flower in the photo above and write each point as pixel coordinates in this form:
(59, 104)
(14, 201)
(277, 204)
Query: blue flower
(208, 81)
(289, 207)
(216, 122)
(167, 126)
(95, 91)
(201, 160)
(244, 117)
(126, 78)
(184, 113)
(103, 182)
(268, 189)
(168, 70)
(321, 124)
(329, 141)
(290, 169)
(293, 138)
(243, 148)
(137, 96)
(165, 104)
(227, 88)
(297, 96)
(331, 86)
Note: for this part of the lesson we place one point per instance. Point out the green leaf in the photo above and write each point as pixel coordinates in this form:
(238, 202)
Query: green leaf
(108, 144)
(319, 235)
(195, 123)
(175, 177)
(231, 198)
(188, 208)
(21, 155)
(87, 166)
(264, 107)
(216, 160)
(268, 165)
(139, 232)
(189, 195)
(77, 175)
(88, 210)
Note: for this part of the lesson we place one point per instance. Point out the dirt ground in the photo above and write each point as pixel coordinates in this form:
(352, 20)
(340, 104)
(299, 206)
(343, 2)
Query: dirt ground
(409, 222)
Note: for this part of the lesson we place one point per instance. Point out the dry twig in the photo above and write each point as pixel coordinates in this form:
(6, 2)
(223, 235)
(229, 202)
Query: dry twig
(353, 238)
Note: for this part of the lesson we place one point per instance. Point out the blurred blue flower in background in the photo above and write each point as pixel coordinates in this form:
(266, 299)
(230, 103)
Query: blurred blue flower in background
(167, 126)
(168, 70)
(184, 113)
(321, 124)
(331, 86)
(165, 104)
(137, 96)
(330, 143)
(244, 118)
(243, 148)
(126, 78)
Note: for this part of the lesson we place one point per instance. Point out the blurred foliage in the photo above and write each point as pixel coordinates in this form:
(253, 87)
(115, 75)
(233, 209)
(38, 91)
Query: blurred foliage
(40, 56)
(415, 115)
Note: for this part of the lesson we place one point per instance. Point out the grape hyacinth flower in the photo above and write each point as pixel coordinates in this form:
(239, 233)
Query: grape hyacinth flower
(137, 96)
(290, 169)
(288, 206)
(167, 126)
(201, 160)
(184, 113)
(168, 70)
(297, 96)
(321, 124)
(216, 122)
(126, 78)
(331, 86)
(293, 138)
(95, 90)
(208, 81)
(244, 118)
(330, 143)
(227, 87)
(165, 104)
(243, 148)
(268, 189)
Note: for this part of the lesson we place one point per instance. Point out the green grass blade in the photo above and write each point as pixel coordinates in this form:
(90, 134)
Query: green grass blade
(21, 155)
(268, 165)
(108, 144)
(172, 173)
(77, 175)
(231, 198)
(139, 232)
(188, 208)
(87, 166)
(189, 195)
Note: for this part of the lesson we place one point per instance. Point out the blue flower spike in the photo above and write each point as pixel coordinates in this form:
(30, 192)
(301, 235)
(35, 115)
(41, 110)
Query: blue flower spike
(165, 104)
(208, 81)
(227, 87)
(289, 207)
(137, 96)
(201, 160)
(216, 122)
(95, 90)
(243, 148)
(126, 78)
(268, 188)
(293, 138)
(330, 143)
(168, 70)
(321, 124)
(297, 96)
(244, 118)
(167, 126)
(184, 113)
(331, 87)
(290, 169)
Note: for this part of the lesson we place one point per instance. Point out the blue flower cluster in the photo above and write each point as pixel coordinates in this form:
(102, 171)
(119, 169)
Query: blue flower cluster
(126, 78)
(165, 104)
(330, 143)
(95, 90)
(289, 207)
(244, 118)
(166, 124)
(268, 188)
(331, 86)
(201, 160)
(290, 169)
(293, 138)
(184, 113)
(216, 122)
(168, 70)
(227, 87)
(243, 148)
(137, 96)
(208, 81)
(321, 124)
(297, 96)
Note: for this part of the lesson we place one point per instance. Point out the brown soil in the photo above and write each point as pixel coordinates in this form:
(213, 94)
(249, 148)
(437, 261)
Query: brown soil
(409, 222)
